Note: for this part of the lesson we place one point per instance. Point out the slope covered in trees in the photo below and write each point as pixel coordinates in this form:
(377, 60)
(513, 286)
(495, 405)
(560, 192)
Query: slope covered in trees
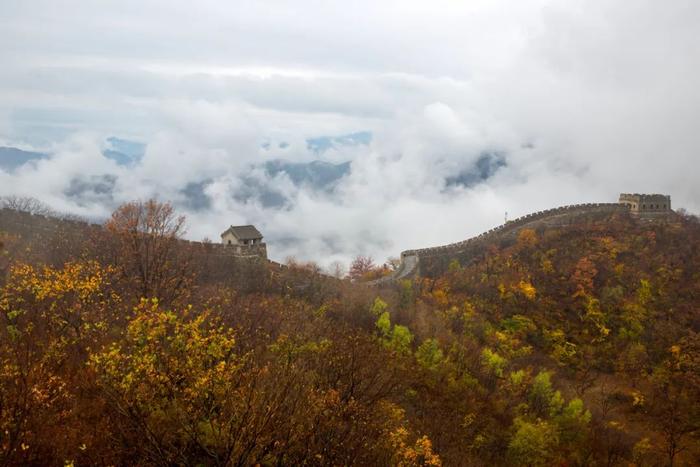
(572, 346)
(607, 314)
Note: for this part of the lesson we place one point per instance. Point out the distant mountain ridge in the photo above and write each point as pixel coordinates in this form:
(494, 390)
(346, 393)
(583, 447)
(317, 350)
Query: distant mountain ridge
(123, 152)
(319, 174)
(13, 158)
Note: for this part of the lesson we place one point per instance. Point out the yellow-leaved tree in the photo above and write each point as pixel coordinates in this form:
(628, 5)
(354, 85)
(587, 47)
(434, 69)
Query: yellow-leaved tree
(49, 318)
(177, 392)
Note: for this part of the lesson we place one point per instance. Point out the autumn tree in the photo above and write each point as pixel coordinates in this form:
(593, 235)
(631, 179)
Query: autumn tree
(147, 249)
(179, 388)
(172, 389)
(49, 319)
(534, 443)
(360, 267)
(527, 238)
(676, 396)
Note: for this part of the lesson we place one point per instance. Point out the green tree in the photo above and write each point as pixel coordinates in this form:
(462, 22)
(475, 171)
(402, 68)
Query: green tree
(573, 424)
(543, 399)
(401, 339)
(405, 294)
(429, 355)
(378, 307)
(533, 443)
(384, 325)
(494, 363)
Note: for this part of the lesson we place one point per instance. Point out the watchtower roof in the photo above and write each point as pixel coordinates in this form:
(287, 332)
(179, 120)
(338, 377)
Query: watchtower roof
(244, 232)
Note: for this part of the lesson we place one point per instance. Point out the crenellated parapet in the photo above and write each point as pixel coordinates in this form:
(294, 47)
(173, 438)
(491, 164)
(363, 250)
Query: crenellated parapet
(647, 207)
(561, 214)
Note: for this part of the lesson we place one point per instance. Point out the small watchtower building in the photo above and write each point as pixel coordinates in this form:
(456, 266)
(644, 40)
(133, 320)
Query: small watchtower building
(244, 240)
(647, 205)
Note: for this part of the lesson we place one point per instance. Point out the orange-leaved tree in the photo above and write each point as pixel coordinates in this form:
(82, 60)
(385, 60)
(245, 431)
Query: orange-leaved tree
(361, 266)
(147, 249)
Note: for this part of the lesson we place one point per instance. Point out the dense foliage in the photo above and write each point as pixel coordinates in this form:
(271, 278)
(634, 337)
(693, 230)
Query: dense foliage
(576, 346)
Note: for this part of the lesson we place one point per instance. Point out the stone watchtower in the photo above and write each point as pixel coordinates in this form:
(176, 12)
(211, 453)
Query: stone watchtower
(647, 205)
(244, 240)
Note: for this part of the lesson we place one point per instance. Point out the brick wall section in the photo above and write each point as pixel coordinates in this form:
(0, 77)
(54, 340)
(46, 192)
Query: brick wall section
(432, 261)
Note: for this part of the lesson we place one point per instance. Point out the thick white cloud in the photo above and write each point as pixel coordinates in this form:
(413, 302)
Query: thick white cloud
(583, 98)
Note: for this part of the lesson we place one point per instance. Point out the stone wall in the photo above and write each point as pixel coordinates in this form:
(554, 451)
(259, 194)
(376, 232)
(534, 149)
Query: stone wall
(433, 261)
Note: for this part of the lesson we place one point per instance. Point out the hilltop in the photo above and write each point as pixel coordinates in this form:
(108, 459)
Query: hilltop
(565, 338)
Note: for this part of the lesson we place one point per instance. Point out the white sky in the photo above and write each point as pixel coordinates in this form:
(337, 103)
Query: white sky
(585, 98)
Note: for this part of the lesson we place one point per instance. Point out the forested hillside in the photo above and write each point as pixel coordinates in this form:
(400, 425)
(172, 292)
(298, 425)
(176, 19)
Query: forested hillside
(572, 346)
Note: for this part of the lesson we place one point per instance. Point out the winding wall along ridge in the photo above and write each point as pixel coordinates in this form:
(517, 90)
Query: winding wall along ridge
(410, 259)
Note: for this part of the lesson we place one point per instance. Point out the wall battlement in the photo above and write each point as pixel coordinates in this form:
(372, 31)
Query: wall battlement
(514, 226)
(649, 207)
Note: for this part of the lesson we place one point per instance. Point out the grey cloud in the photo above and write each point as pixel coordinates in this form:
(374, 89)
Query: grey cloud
(255, 191)
(195, 196)
(318, 175)
(96, 188)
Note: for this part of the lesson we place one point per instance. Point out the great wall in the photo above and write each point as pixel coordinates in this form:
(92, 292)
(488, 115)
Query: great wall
(432, 261)
(469, 249)
(416, 262)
